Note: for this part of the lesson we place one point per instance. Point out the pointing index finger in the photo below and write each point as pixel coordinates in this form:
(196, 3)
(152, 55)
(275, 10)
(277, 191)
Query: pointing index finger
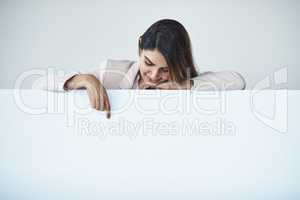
(107, 108)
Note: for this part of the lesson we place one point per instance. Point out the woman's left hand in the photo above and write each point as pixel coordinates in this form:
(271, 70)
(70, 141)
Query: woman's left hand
(172, 85)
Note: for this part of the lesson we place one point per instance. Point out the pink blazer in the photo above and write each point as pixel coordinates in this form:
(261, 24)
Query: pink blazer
(123, 74)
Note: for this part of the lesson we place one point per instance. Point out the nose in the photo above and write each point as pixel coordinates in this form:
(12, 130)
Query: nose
(154, 76)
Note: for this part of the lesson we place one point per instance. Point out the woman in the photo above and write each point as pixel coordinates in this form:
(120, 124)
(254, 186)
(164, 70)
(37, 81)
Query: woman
(165, 62)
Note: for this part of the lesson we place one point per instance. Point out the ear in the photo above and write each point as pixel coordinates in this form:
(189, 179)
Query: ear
(140, 39)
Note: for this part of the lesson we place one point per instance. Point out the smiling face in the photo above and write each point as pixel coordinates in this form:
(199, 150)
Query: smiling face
(153, 67)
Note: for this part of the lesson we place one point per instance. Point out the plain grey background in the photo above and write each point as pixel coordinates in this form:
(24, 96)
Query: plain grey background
(253, 37)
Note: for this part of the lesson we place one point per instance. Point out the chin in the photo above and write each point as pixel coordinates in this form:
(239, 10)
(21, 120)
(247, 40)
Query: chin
(148, 80)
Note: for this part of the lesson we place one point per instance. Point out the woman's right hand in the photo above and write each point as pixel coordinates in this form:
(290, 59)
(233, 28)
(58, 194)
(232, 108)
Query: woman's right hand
(97, 93)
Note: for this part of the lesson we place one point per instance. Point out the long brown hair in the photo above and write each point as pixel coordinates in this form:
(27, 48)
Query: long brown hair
(171, 38)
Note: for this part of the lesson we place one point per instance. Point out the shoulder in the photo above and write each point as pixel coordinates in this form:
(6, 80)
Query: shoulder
(116, 64)
(118, 73)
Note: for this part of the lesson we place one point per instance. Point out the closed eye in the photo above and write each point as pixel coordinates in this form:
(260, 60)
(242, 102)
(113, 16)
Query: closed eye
(148, 61)
(165, 70)
(149, 64)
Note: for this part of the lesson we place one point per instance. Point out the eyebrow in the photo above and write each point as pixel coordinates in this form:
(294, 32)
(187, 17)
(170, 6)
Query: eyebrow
(151, 63)
(149, 60)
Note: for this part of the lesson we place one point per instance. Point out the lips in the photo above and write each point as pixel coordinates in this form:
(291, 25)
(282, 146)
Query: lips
(155, 82)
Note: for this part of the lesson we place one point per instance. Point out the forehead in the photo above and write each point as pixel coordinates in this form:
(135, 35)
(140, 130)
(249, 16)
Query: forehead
(155, 56)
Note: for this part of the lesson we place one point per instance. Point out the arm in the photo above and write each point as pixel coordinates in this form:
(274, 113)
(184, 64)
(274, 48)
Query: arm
(90, 80)
(97, 93)
(72, 81)
(223, 80)
(208, 81)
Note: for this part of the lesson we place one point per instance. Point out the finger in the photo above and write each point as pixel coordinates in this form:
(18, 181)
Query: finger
(107, 108)
(107, 105)
(162, 86)
(92, 99)
(144, 86)
(178, 86)
(97, 101)
(102, 99)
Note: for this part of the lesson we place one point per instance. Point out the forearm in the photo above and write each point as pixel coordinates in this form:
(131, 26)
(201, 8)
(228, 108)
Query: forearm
(97, 93)
(80, 81)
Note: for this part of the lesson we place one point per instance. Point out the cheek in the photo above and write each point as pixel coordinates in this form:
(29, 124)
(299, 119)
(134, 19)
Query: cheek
(165, 76)
(143, 71)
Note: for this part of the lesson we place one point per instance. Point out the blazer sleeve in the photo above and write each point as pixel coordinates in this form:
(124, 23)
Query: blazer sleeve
(55, 80)
(223, 80)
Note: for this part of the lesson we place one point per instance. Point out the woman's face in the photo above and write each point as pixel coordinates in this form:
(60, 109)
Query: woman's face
(153, 67)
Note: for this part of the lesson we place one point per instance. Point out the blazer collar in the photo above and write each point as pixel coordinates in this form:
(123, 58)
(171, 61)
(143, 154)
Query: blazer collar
(130, 76)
